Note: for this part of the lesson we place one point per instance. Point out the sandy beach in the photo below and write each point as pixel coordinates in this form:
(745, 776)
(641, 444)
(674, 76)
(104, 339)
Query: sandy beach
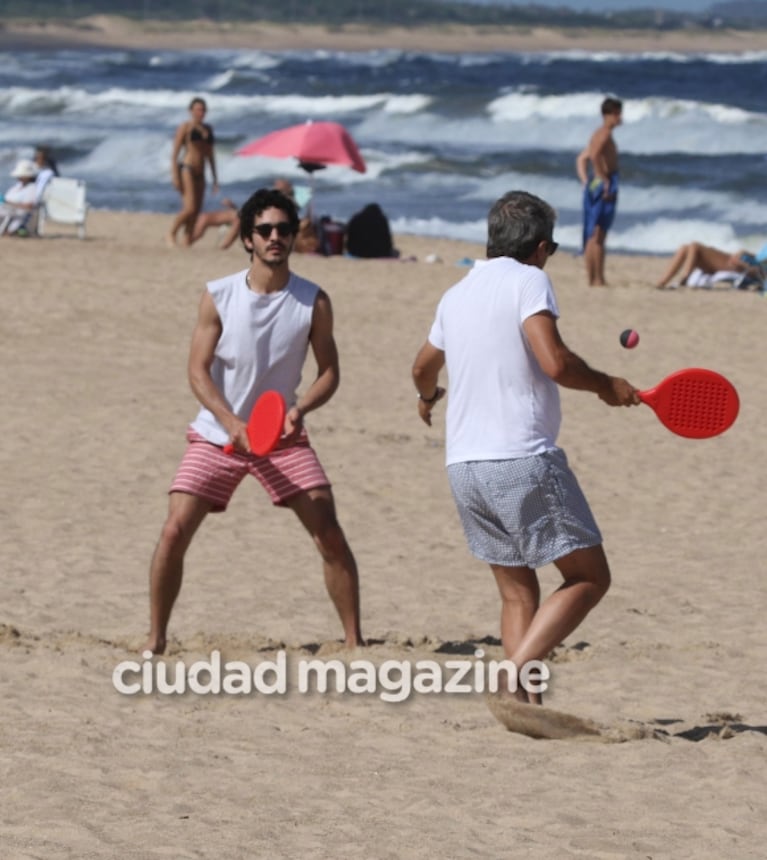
(668, 668)
(114, 31)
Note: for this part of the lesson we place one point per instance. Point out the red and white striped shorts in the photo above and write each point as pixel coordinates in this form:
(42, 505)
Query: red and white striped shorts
(207, 472)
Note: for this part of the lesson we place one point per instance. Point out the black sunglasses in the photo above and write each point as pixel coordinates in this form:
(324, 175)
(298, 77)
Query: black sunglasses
(283, 229)
(528, 250)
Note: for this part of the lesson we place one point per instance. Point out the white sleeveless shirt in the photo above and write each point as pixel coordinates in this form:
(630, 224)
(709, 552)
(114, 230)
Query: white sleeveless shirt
(263, 345)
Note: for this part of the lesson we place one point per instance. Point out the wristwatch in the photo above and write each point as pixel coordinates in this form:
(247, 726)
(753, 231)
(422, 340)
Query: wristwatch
(429, 400)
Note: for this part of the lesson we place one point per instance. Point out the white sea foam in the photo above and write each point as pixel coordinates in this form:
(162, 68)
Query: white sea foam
(515, 120)
(469, 231)
(219, 81)
(651, 125)
(435, 134)
(661, 236)
(665, 235)
(686, 58)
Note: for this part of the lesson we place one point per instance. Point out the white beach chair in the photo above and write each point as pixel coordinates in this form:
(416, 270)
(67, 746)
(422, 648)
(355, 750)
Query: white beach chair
(64, 202)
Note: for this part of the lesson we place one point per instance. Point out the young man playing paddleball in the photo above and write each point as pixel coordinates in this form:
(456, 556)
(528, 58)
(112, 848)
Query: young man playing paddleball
(519, 503)
(253, 333)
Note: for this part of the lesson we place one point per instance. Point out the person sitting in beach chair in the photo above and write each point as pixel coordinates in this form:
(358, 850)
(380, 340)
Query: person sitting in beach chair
(46, 170)
(20, 200)
(703, 266)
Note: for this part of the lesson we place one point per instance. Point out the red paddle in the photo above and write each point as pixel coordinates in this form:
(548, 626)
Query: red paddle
(265, 425)
(694, 402)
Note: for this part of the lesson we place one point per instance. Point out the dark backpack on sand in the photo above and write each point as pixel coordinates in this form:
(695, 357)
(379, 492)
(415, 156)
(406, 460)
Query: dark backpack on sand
(368, 233)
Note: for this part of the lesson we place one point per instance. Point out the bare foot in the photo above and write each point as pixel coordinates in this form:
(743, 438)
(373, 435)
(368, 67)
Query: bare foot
(170, 240)
(518, 693)
(155, 644)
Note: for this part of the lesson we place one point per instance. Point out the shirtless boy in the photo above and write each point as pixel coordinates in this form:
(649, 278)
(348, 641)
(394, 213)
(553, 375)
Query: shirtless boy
(597, 168)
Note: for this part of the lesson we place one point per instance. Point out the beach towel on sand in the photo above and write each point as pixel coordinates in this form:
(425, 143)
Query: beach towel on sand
(598, 212)
(700, 280)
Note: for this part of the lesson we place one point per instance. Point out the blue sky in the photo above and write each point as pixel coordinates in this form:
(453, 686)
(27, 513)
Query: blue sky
(611, 5)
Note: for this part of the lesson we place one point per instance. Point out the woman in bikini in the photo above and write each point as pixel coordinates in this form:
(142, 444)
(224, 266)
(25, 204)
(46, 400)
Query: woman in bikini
(196, 139)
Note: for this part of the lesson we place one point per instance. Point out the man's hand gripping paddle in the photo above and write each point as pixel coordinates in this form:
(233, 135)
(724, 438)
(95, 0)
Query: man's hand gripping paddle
(694, 402)
(265, 425)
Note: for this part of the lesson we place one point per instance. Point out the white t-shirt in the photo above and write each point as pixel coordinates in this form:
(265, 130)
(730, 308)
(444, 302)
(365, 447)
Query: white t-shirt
(501, 405)
(21, 192)
(12, 216)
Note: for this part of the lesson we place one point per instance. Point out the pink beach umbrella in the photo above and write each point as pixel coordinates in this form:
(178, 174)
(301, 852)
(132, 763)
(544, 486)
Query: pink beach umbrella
(314, 144)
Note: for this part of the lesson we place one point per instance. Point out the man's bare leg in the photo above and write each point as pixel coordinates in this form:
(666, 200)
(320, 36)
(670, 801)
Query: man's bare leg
(234, 225)
(587, 578)
(226, 217)
(594, 255)
(185, 513)
(231, 236)
(520, 596)
(316, 510)
(201, 224)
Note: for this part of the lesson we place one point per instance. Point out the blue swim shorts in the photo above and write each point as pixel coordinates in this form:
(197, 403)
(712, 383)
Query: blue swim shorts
(598, 212)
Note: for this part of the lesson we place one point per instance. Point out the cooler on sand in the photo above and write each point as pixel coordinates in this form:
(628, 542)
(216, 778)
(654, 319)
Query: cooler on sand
(332, 238)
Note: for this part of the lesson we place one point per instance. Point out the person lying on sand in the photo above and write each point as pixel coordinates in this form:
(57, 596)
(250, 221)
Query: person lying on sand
(708, 260)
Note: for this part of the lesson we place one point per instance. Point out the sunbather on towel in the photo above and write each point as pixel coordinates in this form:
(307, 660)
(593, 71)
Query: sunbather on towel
(694, 257)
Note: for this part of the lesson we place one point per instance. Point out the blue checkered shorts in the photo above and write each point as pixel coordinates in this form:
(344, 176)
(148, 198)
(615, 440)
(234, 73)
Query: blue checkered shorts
(525, 512)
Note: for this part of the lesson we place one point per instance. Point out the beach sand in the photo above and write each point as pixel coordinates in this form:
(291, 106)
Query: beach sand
(114, 31)
(667, 672)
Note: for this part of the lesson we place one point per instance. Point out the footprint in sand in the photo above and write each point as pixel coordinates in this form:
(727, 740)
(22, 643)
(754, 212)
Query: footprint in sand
(537, 721)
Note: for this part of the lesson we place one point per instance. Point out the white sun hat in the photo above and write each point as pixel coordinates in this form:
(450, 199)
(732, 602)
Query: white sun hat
(24, 168)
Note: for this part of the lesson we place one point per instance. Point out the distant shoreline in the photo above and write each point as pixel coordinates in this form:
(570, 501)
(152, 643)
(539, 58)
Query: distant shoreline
(100, 31)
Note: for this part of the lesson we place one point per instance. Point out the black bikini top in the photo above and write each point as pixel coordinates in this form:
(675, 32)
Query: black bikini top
(195, 135)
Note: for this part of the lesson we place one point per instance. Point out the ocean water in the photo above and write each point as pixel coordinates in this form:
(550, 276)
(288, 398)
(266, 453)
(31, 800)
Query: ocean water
(443, 135)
